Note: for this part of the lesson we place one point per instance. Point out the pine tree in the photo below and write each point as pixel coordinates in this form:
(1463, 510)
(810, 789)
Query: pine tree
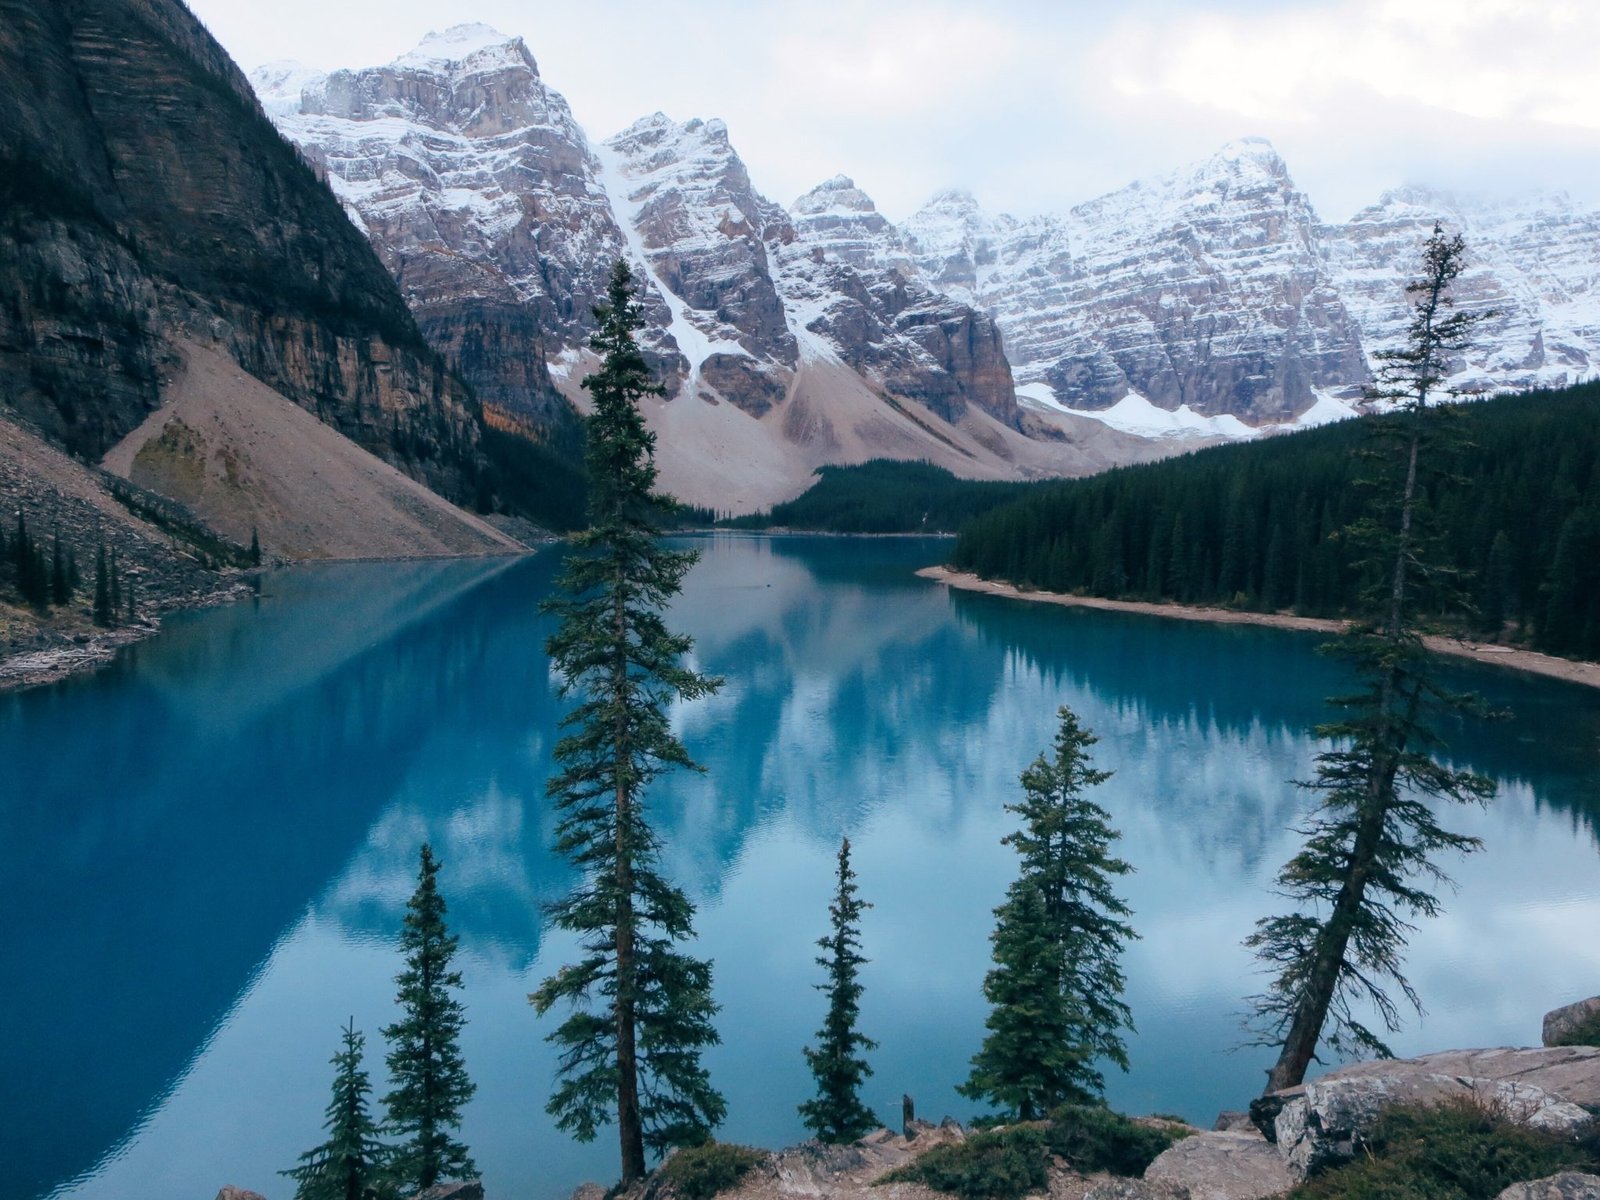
(60, 588)
(837, 1114)
(1374, 833)
(425, 1065)
(255, 548)
(349, 1165)
(641, 1009)
(1061, 921)
(103, 613)
(116, 589)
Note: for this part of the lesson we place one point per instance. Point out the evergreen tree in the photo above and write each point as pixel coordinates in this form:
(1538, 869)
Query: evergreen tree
(425, 1065)
(1060, 917)
(116, 588)
(1031, 1059)
(348, 1166)
(837, 1114)
(255, 547)
(60, 588)
(103, 612)
(1374, 833)
(641, 1008)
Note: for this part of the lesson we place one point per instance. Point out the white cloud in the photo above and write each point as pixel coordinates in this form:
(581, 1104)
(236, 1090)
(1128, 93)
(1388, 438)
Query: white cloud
(1036, 105)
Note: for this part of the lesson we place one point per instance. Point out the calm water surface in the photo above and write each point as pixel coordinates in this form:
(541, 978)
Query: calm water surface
(206, 850)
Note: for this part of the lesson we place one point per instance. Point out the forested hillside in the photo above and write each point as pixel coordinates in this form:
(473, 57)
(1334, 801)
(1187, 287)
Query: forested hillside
(1258, 526)
(884, 496)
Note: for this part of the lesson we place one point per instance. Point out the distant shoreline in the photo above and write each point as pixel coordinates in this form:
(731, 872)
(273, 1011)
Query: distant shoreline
(1586, 674)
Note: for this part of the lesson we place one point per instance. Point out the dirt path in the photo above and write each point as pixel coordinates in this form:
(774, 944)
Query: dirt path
(1585, 673)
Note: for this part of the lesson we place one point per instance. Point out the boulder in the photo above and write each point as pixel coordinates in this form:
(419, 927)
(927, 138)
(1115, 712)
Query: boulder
(1329, 1118)
(1223, 1166)
(237, 1193)
(1232, 1121)
(588, 1191)
(469, 1189)
(1561, 1023)
(1570, 1072)
(1122, 1188)
(1569, 1185)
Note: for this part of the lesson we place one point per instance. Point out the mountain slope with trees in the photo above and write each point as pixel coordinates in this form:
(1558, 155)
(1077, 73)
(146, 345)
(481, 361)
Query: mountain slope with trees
(1258, 526)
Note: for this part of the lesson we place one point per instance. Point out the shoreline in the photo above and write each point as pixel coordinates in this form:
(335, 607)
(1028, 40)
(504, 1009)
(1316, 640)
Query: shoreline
(1585, 674)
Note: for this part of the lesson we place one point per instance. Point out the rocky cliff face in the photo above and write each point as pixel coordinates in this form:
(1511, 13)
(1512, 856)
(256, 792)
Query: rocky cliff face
(145, 195)
(1536, 263)
(1202, 289)
(500, 220)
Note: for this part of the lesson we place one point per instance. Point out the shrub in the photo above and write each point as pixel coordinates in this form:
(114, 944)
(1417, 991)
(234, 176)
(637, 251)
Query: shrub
(1003, 1164)
(1456, 1151)
(700, 1172)
(1093, 1138)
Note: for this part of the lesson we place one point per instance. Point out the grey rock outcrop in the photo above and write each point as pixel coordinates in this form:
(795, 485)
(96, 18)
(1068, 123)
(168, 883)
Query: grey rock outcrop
(1232, 1165)
(1571, 1072)
(468, 1189)
(1568, 1185)
(1122, 1188)
(1329, 1118)
(1560, 1024)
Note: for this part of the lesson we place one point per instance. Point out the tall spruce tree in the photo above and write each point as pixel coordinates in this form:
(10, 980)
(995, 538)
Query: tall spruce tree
(349, 1165)
(429, 1077)
(1368, 860)
(641, 1008)
(837, 1114)
(1055, 992)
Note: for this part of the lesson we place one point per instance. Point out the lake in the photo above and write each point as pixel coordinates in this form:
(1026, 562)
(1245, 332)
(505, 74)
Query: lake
(206, 850)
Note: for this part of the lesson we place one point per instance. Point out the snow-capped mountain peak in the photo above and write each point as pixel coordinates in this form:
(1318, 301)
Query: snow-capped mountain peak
(461, 49)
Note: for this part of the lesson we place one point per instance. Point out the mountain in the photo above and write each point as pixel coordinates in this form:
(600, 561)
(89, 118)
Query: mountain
(500, 220)
(1200, 290)
(1206, 304)
(1535, 262)
(160, 242)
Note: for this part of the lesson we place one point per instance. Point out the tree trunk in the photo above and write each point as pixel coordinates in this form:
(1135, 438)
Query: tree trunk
(630, 1129)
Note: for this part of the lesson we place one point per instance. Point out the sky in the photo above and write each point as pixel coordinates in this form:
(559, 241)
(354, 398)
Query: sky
(1035, 105)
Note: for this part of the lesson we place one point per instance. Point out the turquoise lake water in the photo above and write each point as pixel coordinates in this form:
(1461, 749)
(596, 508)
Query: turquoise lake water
(206, 850)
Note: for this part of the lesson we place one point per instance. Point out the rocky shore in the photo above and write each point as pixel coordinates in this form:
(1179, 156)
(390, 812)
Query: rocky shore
(1585, 673)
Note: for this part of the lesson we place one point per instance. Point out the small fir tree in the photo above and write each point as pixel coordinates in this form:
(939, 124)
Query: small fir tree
(1066, 869)
(349, 1165)
(430, 1079)
(116, 588)
(60, 589)
(641, 1008)
(1032, 1057)
(255, 548)
(837, 1114)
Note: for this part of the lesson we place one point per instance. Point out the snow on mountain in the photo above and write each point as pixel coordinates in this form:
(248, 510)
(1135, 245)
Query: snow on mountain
(1535, 262)
(1202, 288)
(1206, 304)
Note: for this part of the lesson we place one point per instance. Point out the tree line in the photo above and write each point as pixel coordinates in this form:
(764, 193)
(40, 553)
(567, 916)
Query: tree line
(46, 579)
(1262, 525)
(885, 496)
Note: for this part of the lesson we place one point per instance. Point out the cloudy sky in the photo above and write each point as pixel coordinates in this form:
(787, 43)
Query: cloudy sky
(1035, 105)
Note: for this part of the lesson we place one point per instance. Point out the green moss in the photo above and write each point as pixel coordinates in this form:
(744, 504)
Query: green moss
(700, 1172)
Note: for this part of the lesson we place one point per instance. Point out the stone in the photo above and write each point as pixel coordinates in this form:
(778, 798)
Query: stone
(1568, 1185)
(468, 1189)
(1560, 1023)
(1232, 1121)
(1570, 1072)
(588, 1191)
(1223, 1166)
(230, 1192)
(1121, 1188)
(1330, 1117)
